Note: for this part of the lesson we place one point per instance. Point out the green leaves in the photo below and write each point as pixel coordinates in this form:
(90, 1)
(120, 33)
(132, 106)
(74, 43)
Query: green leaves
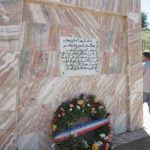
(76, 112)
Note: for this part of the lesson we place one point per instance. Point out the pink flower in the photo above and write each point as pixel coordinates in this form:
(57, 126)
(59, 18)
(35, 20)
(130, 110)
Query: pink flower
(71, 105)
(63, 114)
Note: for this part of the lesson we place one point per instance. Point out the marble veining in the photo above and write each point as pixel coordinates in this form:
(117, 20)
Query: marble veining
(111, 6)
(8, 97)
(47, 37)
(7, 130)
(9, 67)
(31, 85)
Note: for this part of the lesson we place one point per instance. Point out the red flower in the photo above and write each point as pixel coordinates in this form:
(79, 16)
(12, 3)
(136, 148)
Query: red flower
(54, 120)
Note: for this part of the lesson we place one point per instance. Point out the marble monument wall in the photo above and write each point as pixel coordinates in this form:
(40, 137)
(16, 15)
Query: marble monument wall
(37, 74)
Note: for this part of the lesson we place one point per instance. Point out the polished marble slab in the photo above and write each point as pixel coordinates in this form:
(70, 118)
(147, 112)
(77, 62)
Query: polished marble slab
(9, 67)
(11, 6)
(31, 83)
(111, 6)
(8, 96)
(8, 133)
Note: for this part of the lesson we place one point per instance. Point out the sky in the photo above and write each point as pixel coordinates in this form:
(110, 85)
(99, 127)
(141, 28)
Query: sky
(145, 6)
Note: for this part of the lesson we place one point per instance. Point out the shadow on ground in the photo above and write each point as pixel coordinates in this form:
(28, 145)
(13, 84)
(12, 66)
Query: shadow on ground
(141, 144)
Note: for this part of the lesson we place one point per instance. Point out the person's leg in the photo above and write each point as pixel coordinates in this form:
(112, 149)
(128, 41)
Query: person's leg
(148, 101)
(146, 98)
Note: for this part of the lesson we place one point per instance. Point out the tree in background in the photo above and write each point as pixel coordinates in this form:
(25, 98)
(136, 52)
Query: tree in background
(144, 20)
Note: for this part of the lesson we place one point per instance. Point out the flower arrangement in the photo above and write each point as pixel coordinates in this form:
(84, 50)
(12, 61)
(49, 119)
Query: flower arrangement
(70, 134)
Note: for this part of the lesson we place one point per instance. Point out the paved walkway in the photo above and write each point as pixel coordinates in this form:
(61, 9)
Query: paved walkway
(139, 140)
(141, 144)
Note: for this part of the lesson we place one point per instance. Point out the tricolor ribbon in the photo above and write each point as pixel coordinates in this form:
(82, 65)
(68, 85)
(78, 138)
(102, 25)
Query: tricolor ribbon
(81, 129)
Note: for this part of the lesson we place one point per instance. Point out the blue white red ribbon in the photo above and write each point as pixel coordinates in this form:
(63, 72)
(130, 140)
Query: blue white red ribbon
(81, 129)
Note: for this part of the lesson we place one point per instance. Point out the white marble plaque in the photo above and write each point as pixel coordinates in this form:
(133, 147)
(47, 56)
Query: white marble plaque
(79, 56)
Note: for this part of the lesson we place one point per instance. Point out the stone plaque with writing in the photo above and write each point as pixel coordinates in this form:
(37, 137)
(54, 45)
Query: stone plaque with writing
(79, 56)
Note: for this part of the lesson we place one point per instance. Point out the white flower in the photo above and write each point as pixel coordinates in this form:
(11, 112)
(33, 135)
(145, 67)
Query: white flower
(99, 143)
(102, 135)
(53, 146)
(106, 137)
(78, 107)
(88, 105)
(84, 97)
(70, 109)
(101, 107)
(75, 135)
(86, 144)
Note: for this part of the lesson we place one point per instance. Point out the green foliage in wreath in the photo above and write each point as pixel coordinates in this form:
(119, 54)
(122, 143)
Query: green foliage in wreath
(70, 113)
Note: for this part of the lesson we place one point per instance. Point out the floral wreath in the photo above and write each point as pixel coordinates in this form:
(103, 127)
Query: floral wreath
(81, 123)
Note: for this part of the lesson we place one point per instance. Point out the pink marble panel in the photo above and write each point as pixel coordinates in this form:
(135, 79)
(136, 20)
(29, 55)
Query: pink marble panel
(122, 84)
(109, 85)
(47, 37)
(113, 6)
(56, 15)
(122, 104)
(136, 110)
(34, 12)
(37, 36)
(9, 67)
(28, 91)
(37, 64)
(136, 78)
(11, 6)
(65, 86)
(9, 45)
(7, 130)
(121, 123)
(120, 7)
(34, 141)
(45, 117)
(113, 63)
(8, 96)
(135, 65)
(33, 64)
(134, 6)
(10, 32)
(46, 91)
(99, 5)
(113, 41)
(9, 37)
(135, 49)
(134, 22)
(28, 119)
(10, 19)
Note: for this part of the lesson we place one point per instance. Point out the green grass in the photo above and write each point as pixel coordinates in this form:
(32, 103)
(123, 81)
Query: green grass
(145, 40)
(146, 35)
